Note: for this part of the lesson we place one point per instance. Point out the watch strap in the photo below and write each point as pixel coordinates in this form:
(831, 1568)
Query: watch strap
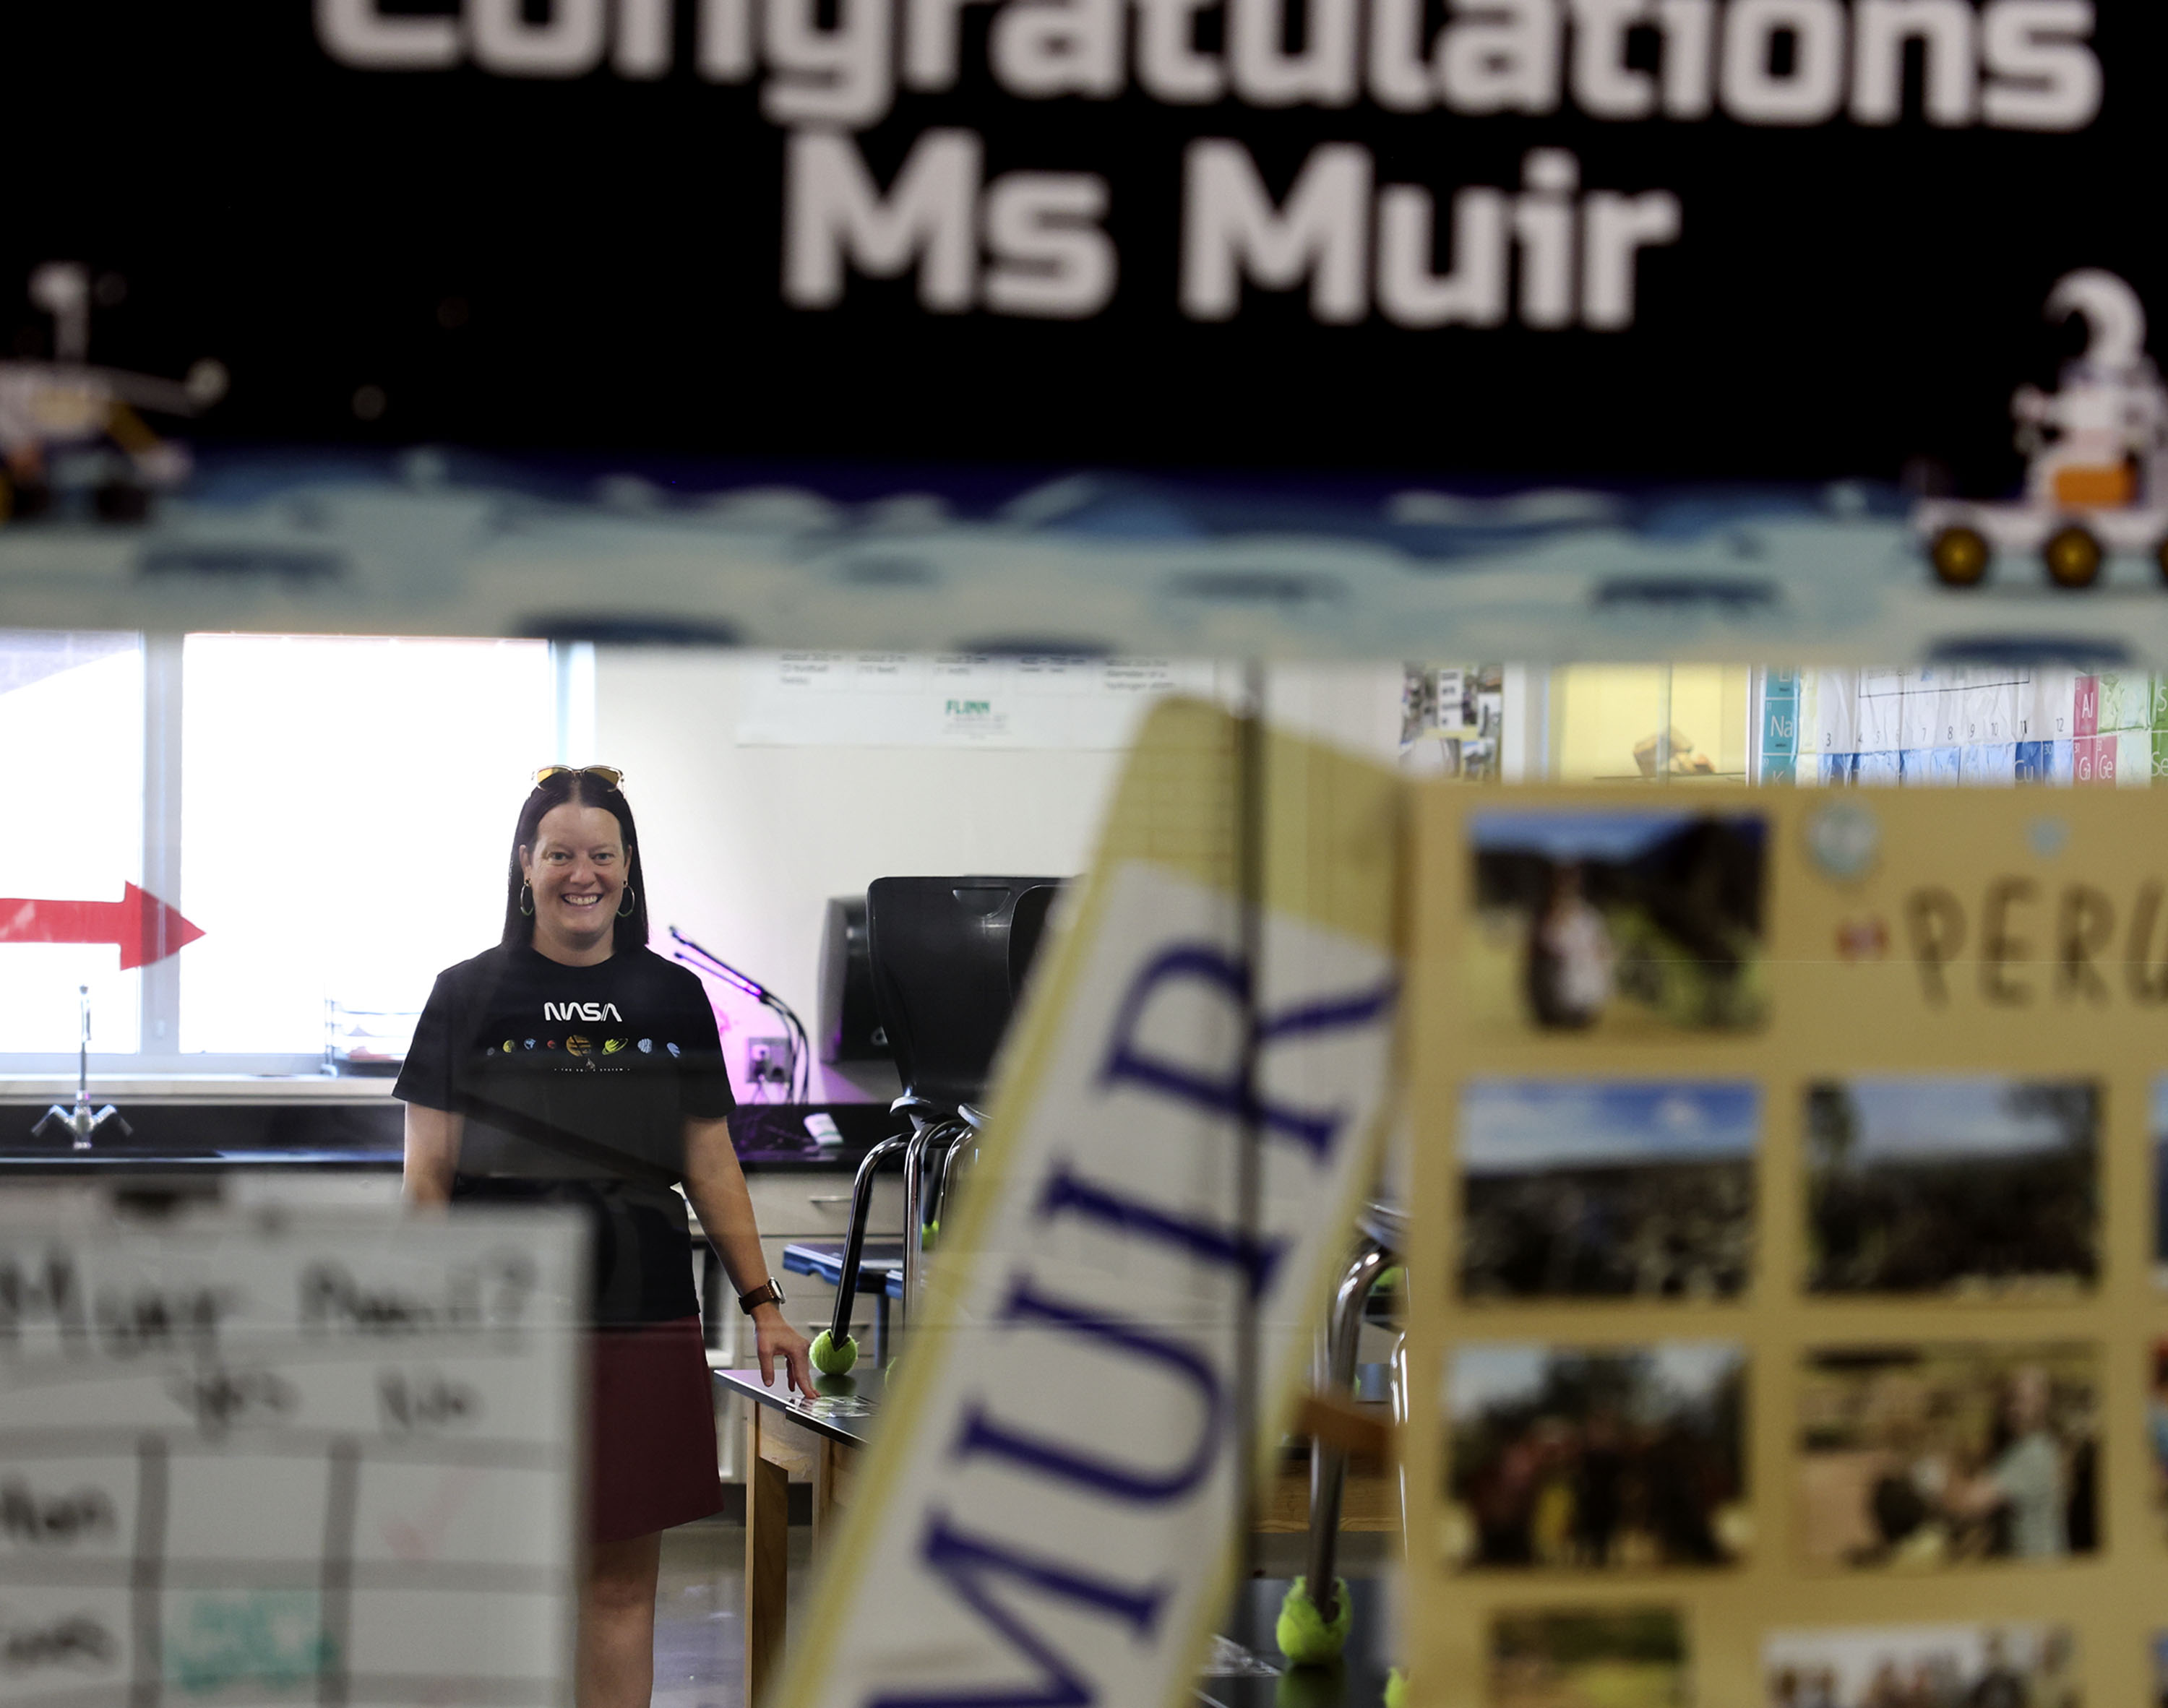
(766, 1293)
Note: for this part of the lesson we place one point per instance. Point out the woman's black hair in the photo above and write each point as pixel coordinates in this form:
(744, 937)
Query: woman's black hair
(581, 788)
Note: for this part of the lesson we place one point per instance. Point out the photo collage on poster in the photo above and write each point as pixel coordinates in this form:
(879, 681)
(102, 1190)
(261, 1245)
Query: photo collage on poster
(1605, 1472)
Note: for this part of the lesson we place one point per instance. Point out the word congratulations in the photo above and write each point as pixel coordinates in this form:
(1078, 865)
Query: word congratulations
(1036, 243)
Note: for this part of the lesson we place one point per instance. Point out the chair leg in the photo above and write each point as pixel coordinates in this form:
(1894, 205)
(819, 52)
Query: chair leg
(914, 1211)
(834, 1351)
(1328, 1465)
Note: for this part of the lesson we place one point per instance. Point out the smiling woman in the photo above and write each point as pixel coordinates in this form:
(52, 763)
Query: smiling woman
(578, 901)
(569, 1064)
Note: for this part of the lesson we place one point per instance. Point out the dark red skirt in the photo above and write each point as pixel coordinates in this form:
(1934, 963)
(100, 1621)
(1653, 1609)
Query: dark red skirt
(650, 1430)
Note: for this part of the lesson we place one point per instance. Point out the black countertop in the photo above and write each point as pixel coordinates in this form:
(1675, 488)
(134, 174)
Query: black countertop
(845, 1413)
(264, 1133)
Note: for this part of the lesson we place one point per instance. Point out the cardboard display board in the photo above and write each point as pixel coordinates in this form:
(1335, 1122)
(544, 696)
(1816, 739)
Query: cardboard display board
(318, 1458)
(1786, 1200)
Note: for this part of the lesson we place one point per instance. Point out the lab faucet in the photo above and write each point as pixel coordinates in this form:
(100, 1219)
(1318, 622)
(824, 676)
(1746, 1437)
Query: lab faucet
(81, 1120)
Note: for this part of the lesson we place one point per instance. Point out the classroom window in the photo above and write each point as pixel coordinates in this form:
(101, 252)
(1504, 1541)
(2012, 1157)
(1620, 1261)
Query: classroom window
(72, 721)
(1650, 723)
(332, 812)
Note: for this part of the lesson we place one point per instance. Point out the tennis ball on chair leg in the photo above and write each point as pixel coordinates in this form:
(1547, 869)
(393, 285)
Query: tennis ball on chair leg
(1304, 1638)
(833, 1357)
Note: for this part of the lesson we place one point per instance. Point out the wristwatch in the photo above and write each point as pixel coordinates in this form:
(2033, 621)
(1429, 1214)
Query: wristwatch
(766, 1293)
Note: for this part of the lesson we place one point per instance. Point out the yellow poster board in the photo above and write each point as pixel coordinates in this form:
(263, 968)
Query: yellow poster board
(1790, 1298)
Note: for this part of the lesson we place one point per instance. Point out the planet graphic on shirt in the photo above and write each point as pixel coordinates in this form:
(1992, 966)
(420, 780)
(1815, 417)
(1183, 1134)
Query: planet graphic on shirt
(612, 1046)
(672, 1048)
(646, 1046)
(530, 1043)
(508, 1047)
(577, 1045)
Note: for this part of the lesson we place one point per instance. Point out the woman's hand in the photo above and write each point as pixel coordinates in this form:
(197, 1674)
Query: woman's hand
(776, 1339)
(715, 1184)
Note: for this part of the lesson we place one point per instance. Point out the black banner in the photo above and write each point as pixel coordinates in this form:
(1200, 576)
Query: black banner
(1732, 240)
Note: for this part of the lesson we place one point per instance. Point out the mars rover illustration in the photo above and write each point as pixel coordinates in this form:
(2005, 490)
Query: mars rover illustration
(2097, 450)
(69, 430)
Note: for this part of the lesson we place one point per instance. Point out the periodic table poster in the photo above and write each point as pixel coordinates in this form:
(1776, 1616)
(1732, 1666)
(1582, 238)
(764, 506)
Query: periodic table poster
(1786, 1165)
(1942, 725)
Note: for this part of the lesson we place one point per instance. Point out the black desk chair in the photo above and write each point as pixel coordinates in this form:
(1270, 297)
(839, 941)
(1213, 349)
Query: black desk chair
(948, 963)
(949, 959)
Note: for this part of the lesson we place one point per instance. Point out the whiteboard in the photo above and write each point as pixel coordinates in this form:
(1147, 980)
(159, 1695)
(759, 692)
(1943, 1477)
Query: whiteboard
(327, 1458)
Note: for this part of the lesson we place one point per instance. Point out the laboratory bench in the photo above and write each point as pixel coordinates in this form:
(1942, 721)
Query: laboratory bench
(320, 1121)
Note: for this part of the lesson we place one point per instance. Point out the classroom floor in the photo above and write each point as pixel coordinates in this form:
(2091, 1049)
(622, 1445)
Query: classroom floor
(699, 1613)
(699, 1639)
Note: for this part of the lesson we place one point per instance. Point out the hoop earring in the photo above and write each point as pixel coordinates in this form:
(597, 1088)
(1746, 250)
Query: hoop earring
(625, 907)
(526, 902)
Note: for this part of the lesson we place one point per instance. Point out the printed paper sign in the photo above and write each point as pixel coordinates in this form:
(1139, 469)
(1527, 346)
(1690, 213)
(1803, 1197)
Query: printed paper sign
(329, 1459)
(1050, 1511)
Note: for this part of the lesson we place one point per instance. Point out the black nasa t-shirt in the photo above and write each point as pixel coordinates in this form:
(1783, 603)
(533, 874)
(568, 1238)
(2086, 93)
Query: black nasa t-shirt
(575, 1084)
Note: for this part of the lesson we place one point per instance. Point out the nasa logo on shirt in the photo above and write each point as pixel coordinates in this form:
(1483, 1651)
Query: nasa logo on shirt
(581, 1011)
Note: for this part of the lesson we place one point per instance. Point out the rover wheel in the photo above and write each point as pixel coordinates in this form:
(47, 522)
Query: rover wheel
(2073, 557)
(1960, 556)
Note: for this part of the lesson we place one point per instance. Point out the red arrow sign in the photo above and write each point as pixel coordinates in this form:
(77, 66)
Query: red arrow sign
(145, 927)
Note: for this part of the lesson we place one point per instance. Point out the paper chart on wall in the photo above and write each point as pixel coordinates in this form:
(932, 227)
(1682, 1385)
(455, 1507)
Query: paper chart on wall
(888, 699)
(1946, 725)
(316, 1459)
(1786, 1166)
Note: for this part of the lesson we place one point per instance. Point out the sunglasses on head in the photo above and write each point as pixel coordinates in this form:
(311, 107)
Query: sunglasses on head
(611, 776)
